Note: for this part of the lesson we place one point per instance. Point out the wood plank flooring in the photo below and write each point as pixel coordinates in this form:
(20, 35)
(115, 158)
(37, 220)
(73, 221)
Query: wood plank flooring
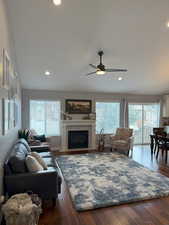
(151, 212)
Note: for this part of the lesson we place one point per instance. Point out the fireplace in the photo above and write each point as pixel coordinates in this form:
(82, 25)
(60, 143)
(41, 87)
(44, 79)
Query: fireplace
(78, 139)
(85, 128)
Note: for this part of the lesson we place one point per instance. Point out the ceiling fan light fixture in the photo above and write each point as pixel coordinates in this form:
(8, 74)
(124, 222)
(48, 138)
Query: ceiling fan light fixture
(100, 72)
(47, 73)
(57, 2)
(101, 69)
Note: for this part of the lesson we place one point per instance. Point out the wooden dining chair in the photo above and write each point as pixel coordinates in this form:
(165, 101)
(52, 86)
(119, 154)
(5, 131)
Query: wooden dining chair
(159, 131)
(163, 145)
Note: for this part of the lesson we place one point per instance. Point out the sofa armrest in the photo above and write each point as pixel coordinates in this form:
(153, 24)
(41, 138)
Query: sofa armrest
(43, 183)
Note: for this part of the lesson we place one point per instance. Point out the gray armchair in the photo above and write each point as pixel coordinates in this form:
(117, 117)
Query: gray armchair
(123, 140)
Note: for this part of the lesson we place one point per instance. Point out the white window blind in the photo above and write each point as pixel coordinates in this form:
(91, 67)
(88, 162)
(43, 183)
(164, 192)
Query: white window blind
(107, 116)
(45, 117)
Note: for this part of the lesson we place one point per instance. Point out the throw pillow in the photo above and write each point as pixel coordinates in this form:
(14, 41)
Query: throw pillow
(32, 164)
(17, 163)
(25, 143)
(39, 159)
(17, 159)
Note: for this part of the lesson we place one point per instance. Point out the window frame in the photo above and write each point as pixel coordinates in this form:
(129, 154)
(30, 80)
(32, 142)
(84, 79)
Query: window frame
(46, 100)
(108, 101)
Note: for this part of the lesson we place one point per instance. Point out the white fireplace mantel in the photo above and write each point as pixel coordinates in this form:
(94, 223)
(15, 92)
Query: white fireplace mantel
(67, 125)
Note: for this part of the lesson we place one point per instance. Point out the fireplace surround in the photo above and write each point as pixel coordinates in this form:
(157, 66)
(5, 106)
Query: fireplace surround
(77, 127)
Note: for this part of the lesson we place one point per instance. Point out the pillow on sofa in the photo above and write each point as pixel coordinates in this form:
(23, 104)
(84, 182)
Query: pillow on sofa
(32, 164)
(17, 163)
(41, 138)
(17, 159)
(39, 159)
(25, 143)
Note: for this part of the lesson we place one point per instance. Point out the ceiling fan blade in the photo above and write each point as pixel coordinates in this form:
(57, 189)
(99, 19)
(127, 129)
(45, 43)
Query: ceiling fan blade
(116, 70)
(88, 74)
(93, 66)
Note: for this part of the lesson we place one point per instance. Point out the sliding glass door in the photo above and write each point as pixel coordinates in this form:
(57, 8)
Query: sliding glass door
(142, 119)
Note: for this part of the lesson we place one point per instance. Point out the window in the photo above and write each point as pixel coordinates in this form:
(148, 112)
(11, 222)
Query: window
(107, 116)
(142, 119)
(45, 117)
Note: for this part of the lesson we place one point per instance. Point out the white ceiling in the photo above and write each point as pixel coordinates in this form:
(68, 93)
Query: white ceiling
(65, 40)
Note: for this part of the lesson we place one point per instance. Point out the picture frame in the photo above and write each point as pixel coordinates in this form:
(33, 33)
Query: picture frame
(5, 115)
(76, 106)
(1, 117)
(5, 69)
(10, 83)
(1, 69)
(16, 112)
(11, 114)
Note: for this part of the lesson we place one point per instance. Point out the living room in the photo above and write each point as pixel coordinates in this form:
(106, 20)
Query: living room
(76, 74)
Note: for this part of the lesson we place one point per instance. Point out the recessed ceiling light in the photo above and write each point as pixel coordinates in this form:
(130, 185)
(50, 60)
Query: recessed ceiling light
(120, 78)
(57, 2)
(47, 73)
(167, 24)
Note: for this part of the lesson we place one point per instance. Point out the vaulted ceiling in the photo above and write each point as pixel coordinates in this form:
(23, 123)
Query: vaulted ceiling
(65, 39)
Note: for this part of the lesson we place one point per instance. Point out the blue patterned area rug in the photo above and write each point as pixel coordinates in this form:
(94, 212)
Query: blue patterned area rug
(107, 179)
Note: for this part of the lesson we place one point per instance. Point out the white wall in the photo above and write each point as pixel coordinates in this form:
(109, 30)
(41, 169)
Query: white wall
(6, 141)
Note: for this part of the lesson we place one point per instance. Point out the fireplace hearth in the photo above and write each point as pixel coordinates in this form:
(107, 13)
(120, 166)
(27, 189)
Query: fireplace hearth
(78, 139)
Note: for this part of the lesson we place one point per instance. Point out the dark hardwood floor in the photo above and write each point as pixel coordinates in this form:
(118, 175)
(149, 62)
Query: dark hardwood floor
(151, 212)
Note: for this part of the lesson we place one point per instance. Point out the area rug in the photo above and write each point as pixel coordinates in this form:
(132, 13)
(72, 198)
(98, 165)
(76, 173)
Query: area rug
(107, 179)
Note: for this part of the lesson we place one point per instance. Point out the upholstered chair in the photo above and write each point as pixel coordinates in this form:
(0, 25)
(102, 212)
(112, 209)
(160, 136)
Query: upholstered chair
(122, 141)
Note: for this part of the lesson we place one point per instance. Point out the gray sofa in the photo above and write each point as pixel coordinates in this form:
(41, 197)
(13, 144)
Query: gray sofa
(17, 179)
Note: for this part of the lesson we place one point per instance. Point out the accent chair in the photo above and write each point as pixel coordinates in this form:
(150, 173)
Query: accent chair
(122, 141)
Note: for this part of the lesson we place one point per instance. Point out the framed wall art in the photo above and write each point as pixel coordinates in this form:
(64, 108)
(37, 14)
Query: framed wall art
(5, 69)
(5, 112)
(9, 82)
(1, 118)
(1, 70)
(78, 106)
(16, 112)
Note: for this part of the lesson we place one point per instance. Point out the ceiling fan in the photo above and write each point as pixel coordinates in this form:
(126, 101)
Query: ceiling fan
(101, 69)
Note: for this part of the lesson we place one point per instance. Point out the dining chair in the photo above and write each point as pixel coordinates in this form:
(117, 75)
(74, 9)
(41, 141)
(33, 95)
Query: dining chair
(163, 145)
(158, 131)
